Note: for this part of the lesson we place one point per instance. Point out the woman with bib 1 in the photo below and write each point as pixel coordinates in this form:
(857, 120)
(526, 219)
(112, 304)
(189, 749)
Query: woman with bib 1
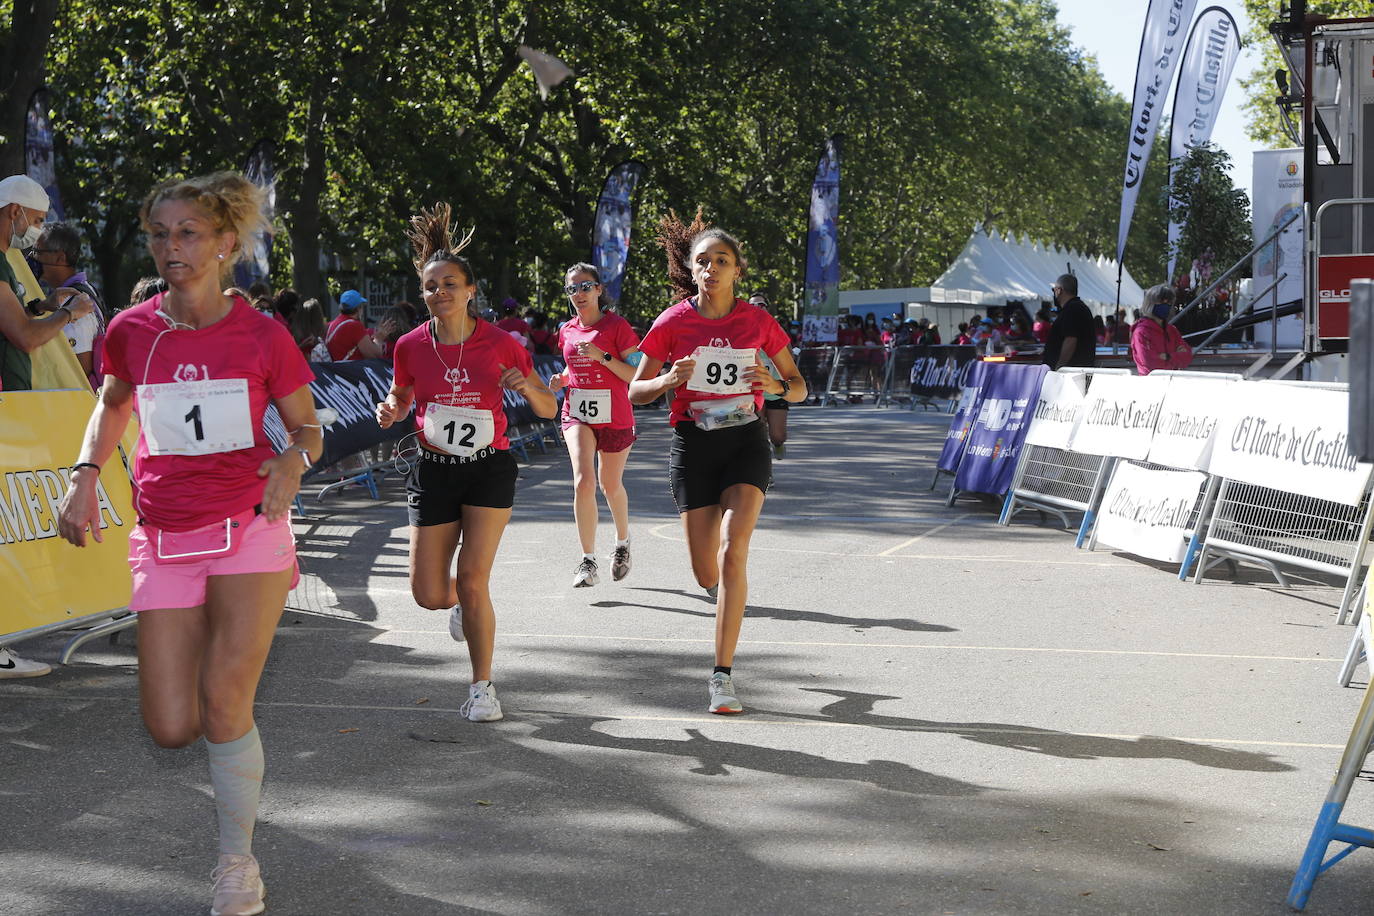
(212, 555)
(454, 368)
(598, 420)
(720, 460)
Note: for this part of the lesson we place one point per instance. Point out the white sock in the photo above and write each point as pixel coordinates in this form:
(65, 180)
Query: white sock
(236, 776)
(622, 542)
(589, 556)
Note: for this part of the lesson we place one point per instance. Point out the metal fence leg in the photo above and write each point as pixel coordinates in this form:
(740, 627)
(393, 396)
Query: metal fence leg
(1099, 486)
(1358, 560)
(109, 628)
(1328, 828)
(1202, 518)
(1358, 652)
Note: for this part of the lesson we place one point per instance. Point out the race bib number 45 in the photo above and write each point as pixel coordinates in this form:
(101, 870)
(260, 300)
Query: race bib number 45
(461, 431)
(720, 370)
(196, 418)
(590, 405)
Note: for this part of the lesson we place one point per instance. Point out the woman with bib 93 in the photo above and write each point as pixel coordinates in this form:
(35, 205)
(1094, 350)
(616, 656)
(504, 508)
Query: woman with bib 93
(454, 368)
(598, 421)
(212, 556)
(721, 460)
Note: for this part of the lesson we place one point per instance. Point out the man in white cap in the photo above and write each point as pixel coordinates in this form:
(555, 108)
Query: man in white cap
(23, 208)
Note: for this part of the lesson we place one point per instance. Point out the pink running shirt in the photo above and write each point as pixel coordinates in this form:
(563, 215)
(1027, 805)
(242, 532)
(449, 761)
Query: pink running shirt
(614, 335)
(461, 375)
(680, 330)
(181, 492)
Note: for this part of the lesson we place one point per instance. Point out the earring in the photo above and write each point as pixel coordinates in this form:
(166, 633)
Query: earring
(220, 257)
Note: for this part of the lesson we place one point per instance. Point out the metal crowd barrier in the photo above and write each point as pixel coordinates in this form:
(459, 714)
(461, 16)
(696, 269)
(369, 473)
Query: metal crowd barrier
(814, 365)
(897, 377)
(1197, 517)
(1054, 481)
(856, 372)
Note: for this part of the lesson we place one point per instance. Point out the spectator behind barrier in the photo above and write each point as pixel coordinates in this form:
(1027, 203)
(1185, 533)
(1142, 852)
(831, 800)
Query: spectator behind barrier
(59, 253)
(1041, 329)
(308, 328)
(145, 289)
(393, 325)
(1156, 344)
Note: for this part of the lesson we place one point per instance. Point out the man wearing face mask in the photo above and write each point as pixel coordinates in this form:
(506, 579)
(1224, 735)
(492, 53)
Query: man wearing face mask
(1073, 339)
(1156, 344)
(23, 208)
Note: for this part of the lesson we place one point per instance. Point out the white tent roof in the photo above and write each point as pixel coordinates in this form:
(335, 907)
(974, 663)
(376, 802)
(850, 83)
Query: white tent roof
(994, 268)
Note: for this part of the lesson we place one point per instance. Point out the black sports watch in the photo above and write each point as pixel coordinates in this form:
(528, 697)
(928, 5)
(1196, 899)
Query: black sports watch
(607, 357)
(786, 386)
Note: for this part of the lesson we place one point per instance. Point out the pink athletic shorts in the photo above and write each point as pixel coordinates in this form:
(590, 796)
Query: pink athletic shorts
(607, 438)
(266, 547)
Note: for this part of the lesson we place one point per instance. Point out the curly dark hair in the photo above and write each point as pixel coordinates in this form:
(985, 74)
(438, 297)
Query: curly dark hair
(431, 235)
(678, 242)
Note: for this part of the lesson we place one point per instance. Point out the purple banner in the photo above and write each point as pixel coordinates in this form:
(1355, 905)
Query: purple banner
(821, 310)
(256, 264)
(960, 426)
(611, 233)
(39, 163)
(1006, 405)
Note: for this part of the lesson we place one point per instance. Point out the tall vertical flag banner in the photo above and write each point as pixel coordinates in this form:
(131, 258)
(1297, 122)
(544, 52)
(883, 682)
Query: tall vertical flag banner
(39, 163)
(260, 169)
(611, 231)
(821, 311)
(1161, 47)
(1203, 76)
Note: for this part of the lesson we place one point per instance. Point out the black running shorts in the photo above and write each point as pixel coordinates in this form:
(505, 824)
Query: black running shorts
(701, 464)
(439, 486)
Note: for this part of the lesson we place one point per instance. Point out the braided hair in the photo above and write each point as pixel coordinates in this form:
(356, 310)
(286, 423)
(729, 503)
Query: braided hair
(680, 240)
(431, 235)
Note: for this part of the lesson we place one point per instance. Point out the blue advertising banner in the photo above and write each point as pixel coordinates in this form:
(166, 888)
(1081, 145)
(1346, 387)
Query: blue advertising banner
(255, 264)
(964, 415)
(39, 163)
(821, 310)
(611, 232)
(1006, 405)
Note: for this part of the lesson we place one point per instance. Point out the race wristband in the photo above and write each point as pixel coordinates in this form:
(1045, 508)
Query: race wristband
(86, 464)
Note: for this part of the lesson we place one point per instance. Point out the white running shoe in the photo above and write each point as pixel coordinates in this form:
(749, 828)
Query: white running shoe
(620, 562)
(585, 574)
(238, 887)
(722, 691)
(15, 666)
(482, 705)
(455, 623)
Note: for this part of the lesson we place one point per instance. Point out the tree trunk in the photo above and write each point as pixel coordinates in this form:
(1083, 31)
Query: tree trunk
(21, 73)
(305, 209)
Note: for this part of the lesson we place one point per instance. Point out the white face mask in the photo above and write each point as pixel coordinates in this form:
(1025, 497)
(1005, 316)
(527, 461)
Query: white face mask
(28, 238)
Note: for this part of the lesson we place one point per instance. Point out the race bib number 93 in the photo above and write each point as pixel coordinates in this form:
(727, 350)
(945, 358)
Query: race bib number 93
(720, 370)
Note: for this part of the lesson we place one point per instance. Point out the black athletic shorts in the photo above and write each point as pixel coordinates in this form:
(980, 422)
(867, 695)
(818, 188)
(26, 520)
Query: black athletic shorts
(701, 464)
(775, 404)
(439, 486)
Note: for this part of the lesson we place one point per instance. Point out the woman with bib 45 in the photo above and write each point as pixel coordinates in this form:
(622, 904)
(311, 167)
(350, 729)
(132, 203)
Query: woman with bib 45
(454, 369)
(598, 420)
(720, 461)
(212, 556)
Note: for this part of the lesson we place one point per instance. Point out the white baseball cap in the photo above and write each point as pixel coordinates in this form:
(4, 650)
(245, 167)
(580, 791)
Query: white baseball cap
(23, 190)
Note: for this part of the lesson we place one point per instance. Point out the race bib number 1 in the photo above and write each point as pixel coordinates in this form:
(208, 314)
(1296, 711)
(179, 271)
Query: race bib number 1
(461, 431)
(196, 418)
(590, 405)
(720, 370)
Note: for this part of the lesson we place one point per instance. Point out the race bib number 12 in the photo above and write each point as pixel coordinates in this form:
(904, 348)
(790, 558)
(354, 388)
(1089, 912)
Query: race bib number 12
(461, 431)
(720, 370)
(196, 418)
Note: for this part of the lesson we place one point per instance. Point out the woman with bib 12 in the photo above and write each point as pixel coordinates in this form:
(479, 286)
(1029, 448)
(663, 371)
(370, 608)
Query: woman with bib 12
(720, 460)
(598, 421)
(454, 369)
(212, 556)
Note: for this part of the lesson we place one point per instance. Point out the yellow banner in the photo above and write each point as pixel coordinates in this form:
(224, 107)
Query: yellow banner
(54, 363)
(44, 579)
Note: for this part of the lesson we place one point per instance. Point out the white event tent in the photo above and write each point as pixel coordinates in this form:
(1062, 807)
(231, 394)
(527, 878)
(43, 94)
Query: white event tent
(994, 269)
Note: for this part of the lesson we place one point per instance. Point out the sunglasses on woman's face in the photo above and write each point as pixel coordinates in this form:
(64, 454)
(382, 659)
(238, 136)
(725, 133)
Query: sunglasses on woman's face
(573, 289)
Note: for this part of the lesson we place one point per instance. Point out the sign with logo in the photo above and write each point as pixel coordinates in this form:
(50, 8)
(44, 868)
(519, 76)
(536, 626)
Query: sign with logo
(1334, 273)
(1058, 410)
(44, 579)
(1188, 422)
(1119, 415)
(994, 442)
(1149, 513)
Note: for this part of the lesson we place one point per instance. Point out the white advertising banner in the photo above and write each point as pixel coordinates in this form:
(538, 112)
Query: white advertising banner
(1057, 412)
(1161, 46)
(1203, 76)
(1187, 427)
(1119, 415)
(1146, 512)
(1276, 196)
(1289, 438)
